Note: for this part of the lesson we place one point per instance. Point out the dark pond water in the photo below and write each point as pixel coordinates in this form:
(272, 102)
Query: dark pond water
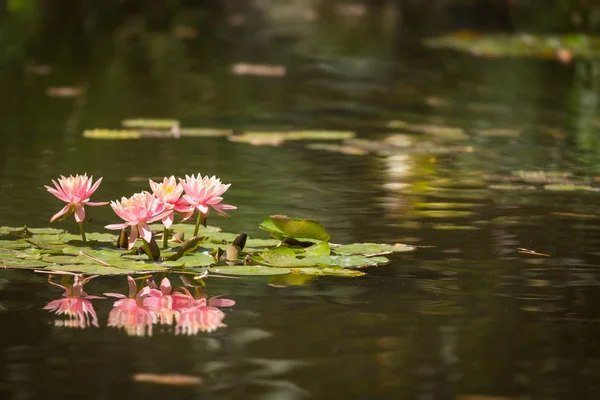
(467, 317)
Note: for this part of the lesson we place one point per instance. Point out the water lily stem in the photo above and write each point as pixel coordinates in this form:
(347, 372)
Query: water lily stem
(165, 238)
(198, 220)
(82, 231)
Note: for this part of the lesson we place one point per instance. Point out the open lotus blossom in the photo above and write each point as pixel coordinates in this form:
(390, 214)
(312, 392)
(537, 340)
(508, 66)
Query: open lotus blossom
(169, 194)
(160, 302)
(76, 192)
(75, 304)
(138, 211)
(200, 193)
(130, 313)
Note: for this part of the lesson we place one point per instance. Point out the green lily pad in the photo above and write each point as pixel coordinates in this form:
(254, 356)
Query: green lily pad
(371, 249)
(347, 261)
(249, 270)
(285, 227)
(111, 134)
(14, 245)
(318, 249)
(562, 47)
(198, 260)
(282, 257)
(205, 132)
(251, 242)
(328, 271)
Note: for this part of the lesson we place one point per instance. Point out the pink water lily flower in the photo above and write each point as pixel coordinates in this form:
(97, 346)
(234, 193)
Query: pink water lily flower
(169, 194)
(200, 193)
(76, 192)
(75, 304)
(138, 211)
(130, 313)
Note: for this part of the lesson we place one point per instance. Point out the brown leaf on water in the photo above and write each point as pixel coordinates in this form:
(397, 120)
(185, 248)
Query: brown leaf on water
(532, 253)
(64, 91)
(258, 70)
(168, 379)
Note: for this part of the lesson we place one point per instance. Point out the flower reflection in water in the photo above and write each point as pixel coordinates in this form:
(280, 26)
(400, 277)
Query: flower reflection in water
(75, 304)
(130, 313)
(165, 305)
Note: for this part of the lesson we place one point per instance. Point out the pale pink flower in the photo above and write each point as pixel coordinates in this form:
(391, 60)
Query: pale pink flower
(169, 194)
(200, 193)
(130, 313)
(76, 192)
(160, 302)
(75, 304)
(138, 211)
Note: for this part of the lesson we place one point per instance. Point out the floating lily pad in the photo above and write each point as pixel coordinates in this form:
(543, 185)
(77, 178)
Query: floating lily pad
(204, 132)
(276, 138)
(150, 123)
(328, 271)
(253, 270)
(318, 249)
(347, 261)
(562, 47)
(284, 227)
(371, 249)
(199, 260)
(112, 134)
(282, 257)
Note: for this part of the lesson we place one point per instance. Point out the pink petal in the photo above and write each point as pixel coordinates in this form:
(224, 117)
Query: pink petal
(60, 194)
(79, 213)
(93, 189)
(168, 220)
(132, 237)
(62, 212)
(145, 231)
(118, 295)
(96, 203)
(117, 226)
(202, 208)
